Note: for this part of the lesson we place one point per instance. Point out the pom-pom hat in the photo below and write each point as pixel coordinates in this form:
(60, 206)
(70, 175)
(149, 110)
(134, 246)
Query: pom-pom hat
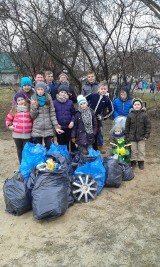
(18, 95)
(25, 81)
(81, 99)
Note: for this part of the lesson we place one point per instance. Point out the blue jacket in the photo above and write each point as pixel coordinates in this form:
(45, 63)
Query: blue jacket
(121, 108)
(89, 88)
(104, 107)
(65, 112)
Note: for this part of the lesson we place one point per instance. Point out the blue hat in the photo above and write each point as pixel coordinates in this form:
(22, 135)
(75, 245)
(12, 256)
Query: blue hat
(25, 81)
(19, 94)
(81, 99)
(63, 87)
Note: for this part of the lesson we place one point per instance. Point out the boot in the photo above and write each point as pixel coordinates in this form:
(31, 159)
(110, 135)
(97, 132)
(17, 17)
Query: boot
(133, 163)
(141, 165)
(101, 149)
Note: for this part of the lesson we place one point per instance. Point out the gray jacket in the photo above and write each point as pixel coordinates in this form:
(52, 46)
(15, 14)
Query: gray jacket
(89, 88)
(44, 120)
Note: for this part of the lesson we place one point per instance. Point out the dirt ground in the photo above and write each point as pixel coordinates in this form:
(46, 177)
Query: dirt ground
(120, 228)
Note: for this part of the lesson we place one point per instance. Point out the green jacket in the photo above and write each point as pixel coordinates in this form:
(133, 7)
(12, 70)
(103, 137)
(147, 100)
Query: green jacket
(138, 125)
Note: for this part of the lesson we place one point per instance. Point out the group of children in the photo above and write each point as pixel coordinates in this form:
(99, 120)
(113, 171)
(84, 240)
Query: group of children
(36, 117)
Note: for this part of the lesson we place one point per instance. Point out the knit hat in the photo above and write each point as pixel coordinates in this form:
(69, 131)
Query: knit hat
(136, 99)
(63, 87)
(25, 81)
(81, 99)
(63, 74)
(41, 85)
(19, 94)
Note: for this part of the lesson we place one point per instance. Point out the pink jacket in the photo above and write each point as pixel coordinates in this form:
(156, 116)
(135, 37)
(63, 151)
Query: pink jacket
(21, 121)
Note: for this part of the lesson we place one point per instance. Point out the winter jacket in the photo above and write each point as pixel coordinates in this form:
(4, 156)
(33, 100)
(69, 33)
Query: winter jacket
(21, 121)
(89, 88)
(72, 94)
(138, 125)
(121, 108)
(44, 120)
(79, 132)
(65, 112)
(101, 105)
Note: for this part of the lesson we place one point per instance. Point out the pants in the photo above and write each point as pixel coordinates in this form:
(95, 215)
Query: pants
(138, 151)
(99, 136)
(64, 138)
(20, 143)
(47, 140)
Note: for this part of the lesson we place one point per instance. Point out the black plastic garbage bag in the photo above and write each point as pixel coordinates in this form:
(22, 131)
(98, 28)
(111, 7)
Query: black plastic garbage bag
(127, 171)
(113, 172)
(50, 190)
(49, 195)
(17, 196)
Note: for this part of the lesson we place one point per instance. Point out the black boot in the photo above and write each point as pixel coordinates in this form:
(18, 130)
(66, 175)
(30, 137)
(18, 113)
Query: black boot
(141, 165)
(133, 163)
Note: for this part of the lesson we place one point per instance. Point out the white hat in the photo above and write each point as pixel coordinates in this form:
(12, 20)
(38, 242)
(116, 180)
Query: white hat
(81, 99)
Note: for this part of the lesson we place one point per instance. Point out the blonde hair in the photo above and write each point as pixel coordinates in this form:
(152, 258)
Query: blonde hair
(48, 72)
(103, 83)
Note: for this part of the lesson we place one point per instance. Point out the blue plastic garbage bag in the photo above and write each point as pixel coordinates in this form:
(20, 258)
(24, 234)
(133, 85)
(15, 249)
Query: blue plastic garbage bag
(94, 169)
(32, 155)
(58, 149)
(16, 195)
(93, 153)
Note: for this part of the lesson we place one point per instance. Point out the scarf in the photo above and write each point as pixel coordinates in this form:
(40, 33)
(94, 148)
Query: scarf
(21, 108)
(62, 99)
(87, 119)
(41, 100)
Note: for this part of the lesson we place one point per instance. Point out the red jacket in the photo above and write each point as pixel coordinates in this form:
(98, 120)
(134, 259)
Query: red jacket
(21, 121)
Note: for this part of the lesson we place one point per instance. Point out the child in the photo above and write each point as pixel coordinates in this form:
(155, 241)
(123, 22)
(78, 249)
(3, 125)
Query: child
(85, 125)
(19, 122)
(137, 130)
(65, 113)
(119, 146)
(122, 104)
(103, 109)
(91, 85)
(26, 88)
(43, 115)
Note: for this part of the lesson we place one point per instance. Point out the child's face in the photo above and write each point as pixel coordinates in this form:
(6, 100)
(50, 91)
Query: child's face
(63, 93)
(83, 105)
(39, 78)
(117, 131)
(103, 90)
(137, 105)
(123, 95)
(91, 78)
(26, 88)
(40, 91)
(63, 78)
(49, 78)
(21, 101)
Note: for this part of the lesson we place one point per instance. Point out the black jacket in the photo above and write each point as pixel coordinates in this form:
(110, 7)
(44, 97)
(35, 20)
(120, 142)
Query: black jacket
(138, 125)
